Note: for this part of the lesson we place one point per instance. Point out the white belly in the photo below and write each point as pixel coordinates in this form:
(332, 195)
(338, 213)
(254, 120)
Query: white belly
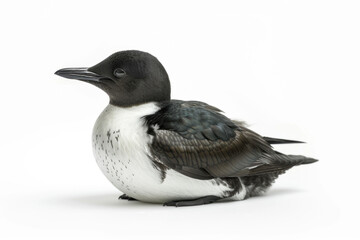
(120, 145)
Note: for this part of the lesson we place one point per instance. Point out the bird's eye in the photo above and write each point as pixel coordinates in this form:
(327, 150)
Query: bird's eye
(119, 73)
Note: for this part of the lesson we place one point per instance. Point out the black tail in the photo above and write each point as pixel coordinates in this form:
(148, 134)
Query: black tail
(260, 179)
(279, 163)
(298, 159)
(280, 141)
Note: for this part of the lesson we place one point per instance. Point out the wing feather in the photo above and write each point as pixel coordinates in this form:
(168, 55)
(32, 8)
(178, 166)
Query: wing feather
(195, 139)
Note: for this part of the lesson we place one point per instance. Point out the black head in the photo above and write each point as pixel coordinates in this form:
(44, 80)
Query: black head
(128, 77)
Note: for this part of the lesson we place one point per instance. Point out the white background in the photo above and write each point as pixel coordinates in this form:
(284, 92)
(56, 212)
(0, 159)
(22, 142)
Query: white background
(289, 68)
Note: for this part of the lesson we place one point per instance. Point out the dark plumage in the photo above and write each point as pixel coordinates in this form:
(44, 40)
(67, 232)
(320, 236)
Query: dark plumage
(197, 140)
(197, 155)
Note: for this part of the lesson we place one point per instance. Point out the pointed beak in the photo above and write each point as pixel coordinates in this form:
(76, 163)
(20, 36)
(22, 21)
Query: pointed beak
(82, 74)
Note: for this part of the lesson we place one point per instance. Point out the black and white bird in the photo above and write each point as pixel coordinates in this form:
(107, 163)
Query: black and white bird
(179, 153)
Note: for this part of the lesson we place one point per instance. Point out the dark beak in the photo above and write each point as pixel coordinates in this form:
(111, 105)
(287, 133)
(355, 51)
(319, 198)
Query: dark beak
(82, 74)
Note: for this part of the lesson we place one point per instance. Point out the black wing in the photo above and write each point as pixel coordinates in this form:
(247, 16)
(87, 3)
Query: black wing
(195, 139)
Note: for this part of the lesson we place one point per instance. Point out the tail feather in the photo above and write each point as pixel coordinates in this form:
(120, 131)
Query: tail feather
(298, 159)
(280, 141)
(258, 180)
(279, 163)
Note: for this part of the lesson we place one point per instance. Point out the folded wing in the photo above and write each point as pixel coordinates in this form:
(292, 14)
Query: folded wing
(196, 140)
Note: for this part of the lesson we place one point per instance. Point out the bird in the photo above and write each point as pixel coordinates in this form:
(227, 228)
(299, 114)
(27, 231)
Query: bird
(177, 153)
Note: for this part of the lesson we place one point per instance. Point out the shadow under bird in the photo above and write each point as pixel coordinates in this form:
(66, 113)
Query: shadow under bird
(179, 153)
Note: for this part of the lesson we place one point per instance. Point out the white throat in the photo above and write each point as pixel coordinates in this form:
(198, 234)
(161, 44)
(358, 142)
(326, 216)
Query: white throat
(120, 145)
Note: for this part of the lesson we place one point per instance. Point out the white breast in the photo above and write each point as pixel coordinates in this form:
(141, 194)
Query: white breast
(121, 149)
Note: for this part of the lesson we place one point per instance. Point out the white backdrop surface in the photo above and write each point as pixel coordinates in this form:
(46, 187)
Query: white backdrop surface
(288, 68)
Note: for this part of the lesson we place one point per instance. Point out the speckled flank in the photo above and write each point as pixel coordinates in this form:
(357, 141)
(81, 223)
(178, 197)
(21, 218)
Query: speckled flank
(121, 148)
(256, 185)
(107, 160)
(237, 190)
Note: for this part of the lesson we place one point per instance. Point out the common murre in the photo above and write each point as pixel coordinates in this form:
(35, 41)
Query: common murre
(179, 153)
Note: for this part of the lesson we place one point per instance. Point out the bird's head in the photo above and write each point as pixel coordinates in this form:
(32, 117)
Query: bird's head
(128, 77)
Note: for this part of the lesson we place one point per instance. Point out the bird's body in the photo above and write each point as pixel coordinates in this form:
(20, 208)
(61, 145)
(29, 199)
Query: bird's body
(121, 148)
(180, 153)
